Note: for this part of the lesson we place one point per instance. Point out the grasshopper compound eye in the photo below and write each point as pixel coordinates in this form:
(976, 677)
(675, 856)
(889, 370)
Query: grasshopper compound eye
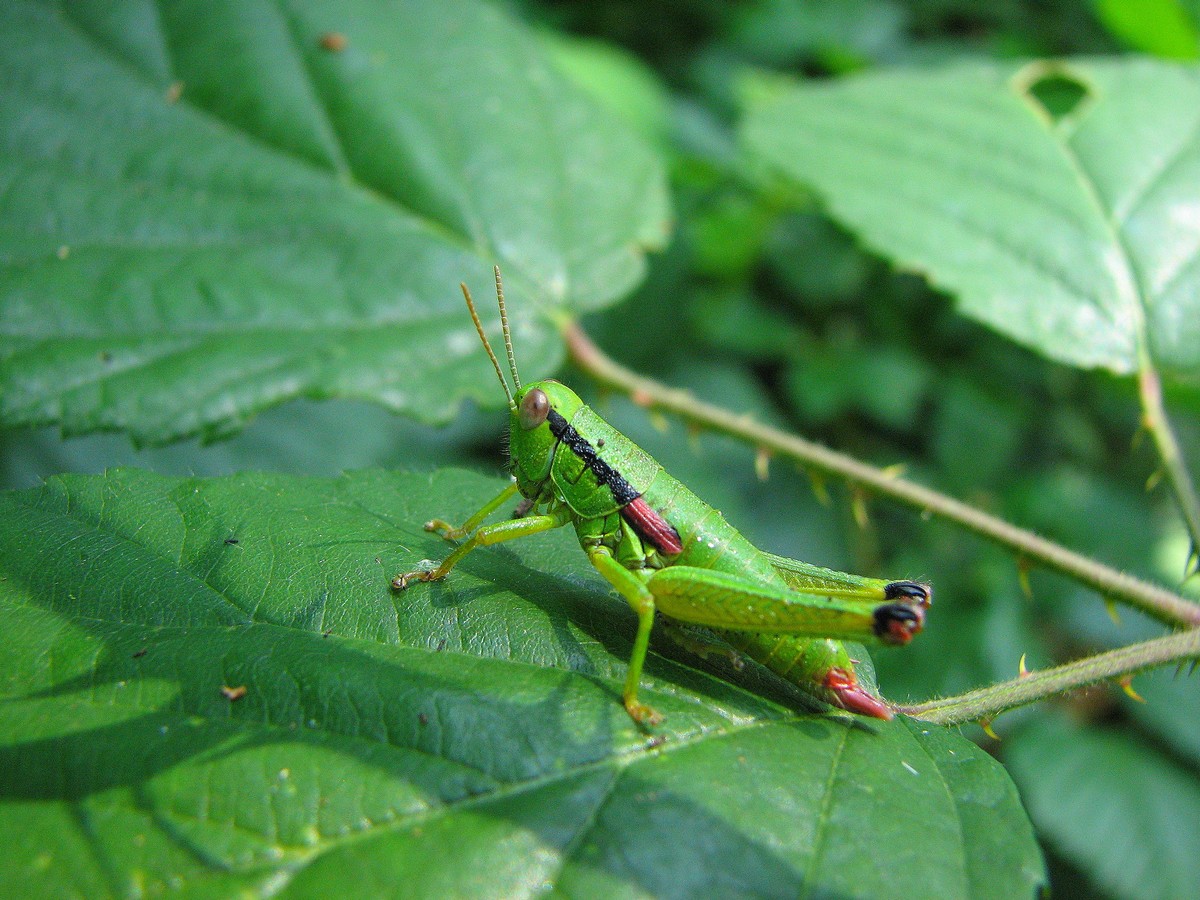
(534, 409)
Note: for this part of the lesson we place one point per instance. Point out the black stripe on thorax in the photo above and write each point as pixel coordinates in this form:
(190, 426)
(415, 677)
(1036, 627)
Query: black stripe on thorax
(622, 491)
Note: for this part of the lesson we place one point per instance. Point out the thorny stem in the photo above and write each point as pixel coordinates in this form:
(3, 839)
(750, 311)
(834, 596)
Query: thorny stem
(987, 702)
(1156, 601)
(1154, 418)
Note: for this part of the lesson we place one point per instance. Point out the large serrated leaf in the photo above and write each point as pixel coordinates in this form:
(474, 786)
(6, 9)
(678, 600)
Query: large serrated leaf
(212, 208)
(460, 739)
(1117, 807)
(1078, 236)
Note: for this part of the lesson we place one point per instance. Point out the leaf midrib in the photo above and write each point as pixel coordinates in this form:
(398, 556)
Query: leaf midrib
(1137, 303)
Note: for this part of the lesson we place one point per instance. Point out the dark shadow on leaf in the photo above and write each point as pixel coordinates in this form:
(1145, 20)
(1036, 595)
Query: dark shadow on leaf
(449, 729)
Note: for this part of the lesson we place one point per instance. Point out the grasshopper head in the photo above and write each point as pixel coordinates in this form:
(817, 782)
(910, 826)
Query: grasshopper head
(535, 426)
(539, 412)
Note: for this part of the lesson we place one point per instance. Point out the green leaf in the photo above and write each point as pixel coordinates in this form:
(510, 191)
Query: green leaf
(300, 438)
(841, 34)
(213, 208)
(617, 79)
(1161, 27)
(460, 739)
(1075, 235)
(1170, 707)
(1120, 810)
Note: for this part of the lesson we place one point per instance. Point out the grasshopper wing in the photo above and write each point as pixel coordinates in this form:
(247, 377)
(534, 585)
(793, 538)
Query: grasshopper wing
(812, 579)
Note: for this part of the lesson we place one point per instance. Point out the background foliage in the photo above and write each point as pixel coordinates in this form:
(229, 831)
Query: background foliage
(215, 220)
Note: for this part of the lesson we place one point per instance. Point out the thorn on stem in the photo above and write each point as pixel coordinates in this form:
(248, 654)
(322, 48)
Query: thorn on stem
(1113, 612)
(762, 463)
(986, 724)
(1138, 434)
(1022, 672)
(334, 41)
(1126, 683)
(1023, 577)
(858, 504)
(818, 487)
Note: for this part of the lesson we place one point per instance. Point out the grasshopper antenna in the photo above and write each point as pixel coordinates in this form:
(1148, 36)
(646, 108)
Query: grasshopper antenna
(488, 347)
(512, 362)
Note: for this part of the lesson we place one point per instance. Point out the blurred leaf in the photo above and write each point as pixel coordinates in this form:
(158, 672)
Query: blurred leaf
(831, 378)
(817, 260)
(728, 235)
(614, 78)
(975, 435)
(1171, 708)
(1120, 810)
(1161, 27)
(301, 438)
(840, 34)
(1077, 237)
(212, 208)
(463, 739)
(1097, 515)
(734, 320)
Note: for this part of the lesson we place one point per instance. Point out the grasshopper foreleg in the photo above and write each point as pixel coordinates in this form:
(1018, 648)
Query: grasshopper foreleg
(455, 533)
(483, 537)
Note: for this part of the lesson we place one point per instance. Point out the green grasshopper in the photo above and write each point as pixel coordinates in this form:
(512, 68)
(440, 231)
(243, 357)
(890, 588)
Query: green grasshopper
(672, 556)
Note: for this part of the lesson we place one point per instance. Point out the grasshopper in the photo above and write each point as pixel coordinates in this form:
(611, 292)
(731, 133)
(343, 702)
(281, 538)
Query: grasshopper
(673, 557)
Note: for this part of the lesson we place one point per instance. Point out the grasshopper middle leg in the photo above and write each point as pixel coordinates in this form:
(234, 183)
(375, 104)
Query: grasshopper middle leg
(634, 590)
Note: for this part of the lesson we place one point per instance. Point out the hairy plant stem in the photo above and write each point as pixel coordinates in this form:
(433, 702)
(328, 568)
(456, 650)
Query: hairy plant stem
(988, 702)
(1154, 418)
(1156, 601)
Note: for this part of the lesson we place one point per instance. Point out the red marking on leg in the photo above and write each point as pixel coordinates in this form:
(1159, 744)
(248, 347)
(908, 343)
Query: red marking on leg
(652, 526)
(901, 633)
(897, 623)
(849, 695)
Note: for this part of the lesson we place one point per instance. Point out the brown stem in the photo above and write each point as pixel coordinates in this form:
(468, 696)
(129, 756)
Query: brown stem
(1154, 417)
(987, 702)
(1156, 601)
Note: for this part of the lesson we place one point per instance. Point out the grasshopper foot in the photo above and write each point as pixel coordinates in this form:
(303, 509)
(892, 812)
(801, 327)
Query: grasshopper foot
(642, 714)
(427, 572)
